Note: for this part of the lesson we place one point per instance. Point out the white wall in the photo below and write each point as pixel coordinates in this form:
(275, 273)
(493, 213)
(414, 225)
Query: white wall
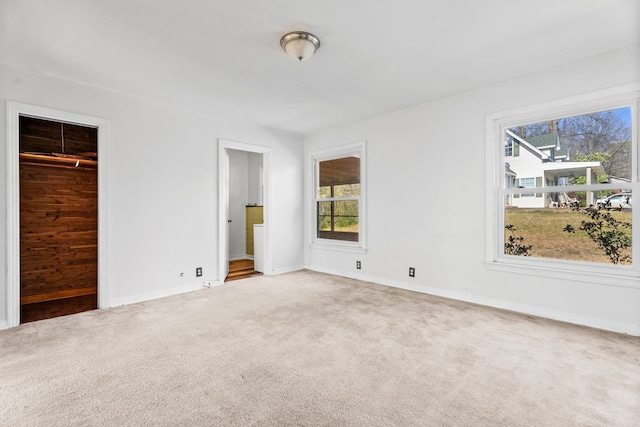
(238, 199)
(255, 181)
(426, 200)
(163, 185)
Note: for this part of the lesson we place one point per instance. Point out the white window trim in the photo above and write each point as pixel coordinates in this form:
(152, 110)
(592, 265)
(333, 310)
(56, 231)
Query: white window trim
(358, 148)
(615, 275)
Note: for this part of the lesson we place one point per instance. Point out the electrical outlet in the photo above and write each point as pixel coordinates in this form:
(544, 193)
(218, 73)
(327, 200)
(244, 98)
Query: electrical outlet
(412, 272)
(199, 272)
(358, 265)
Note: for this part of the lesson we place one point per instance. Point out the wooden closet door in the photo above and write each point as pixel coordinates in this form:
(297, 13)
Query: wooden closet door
(58, 236)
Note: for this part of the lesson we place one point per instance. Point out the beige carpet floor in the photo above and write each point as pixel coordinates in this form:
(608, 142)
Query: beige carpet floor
(312, 349)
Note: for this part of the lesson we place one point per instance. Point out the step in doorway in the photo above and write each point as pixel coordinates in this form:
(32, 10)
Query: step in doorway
(241, 269)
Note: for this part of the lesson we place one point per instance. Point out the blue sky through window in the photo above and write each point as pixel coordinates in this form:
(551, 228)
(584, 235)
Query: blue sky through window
(624, 114)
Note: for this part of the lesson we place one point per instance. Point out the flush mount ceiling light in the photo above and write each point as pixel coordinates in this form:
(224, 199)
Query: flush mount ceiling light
(300, 44)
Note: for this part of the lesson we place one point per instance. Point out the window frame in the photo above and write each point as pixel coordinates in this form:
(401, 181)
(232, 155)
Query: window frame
(315, 158)
(496, 124)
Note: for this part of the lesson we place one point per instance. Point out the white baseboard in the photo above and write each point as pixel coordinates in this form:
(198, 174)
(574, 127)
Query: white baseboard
(285, 270)
(489, 302)
(160, 294)
(4, 324)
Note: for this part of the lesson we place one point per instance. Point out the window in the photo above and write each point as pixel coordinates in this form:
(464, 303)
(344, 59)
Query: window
(338, 197)
(511, 149)
(527, 183)
(563, 206)
(508, 148)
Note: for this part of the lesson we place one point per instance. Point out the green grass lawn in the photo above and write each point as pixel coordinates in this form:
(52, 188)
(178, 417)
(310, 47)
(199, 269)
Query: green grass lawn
(543, 229)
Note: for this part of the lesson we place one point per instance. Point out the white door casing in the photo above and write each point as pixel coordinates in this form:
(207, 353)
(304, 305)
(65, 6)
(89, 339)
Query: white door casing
(223, 203)
(14, 111)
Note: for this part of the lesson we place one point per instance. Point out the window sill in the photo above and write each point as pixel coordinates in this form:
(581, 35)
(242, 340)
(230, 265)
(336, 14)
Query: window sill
(626, 276)
(338, 247)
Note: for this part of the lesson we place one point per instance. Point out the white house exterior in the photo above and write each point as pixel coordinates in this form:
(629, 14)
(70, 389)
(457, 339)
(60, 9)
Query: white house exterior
(540, 161)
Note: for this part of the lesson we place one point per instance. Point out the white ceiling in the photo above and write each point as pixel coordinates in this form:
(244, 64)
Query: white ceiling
(377, 56)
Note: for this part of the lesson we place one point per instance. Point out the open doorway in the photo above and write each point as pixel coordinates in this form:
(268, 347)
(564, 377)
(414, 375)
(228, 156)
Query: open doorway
(246, 213)
(244, 208)
(58, 164)
(15, 111)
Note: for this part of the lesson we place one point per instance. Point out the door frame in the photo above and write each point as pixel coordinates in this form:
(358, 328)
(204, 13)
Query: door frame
(223, 192)
(14, 111)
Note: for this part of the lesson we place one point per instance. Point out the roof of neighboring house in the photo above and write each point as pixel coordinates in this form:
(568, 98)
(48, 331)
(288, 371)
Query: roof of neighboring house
(549, 140)
(561, 152)
(526, 144)
(508, 170)
(560, 169)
